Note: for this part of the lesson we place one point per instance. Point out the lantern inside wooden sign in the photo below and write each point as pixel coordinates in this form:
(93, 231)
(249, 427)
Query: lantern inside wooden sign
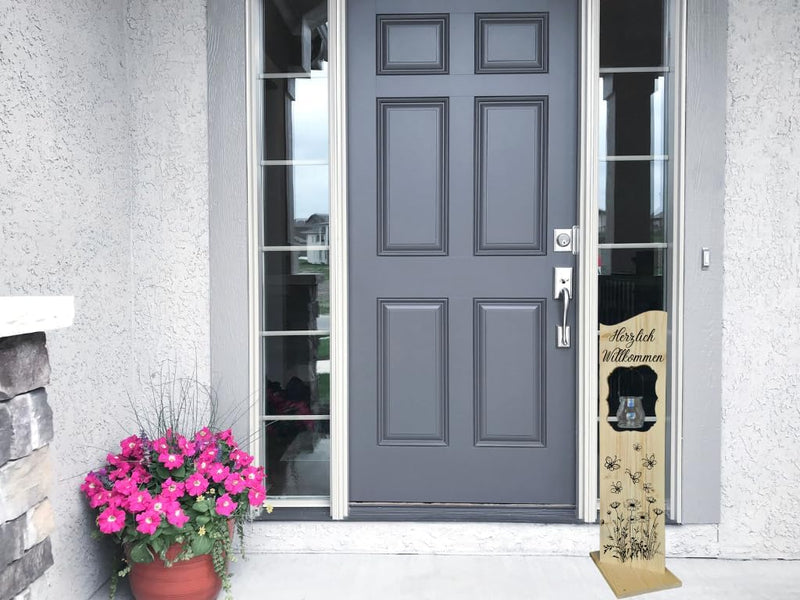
(632, 391)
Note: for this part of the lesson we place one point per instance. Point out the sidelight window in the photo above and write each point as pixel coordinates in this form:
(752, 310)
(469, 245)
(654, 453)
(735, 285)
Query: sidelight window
(294, 252)
(637, 222)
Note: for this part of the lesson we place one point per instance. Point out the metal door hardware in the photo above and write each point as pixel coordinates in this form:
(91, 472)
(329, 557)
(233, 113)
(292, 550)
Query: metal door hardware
(565, 240)
(562, 289)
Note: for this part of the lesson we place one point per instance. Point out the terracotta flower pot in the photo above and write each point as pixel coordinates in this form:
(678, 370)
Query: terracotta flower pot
(192, 579)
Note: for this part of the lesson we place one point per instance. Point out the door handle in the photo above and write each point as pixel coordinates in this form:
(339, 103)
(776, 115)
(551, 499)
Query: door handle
(562, 290)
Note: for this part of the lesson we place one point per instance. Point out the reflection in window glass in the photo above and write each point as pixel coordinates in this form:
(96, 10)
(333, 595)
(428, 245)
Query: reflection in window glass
(631, 201)
(631, 33)
(298, 457)
(630, 281)
(632, 114)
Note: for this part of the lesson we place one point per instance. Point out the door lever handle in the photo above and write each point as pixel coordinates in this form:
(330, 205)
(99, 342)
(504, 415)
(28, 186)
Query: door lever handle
(562, 290)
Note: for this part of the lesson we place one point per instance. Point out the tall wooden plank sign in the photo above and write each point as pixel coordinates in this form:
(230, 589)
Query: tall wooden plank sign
(632, 388)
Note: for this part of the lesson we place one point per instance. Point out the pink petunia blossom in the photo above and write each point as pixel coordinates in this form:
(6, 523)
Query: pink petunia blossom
(131, 447)
(139, 501)
(121, 472)
(176, 516)
(204, 435)
(170, 460)
(188, 448)
(160, 503)
(196, 484)
(140, 475)
(256, 496)
(91, 485)
(225, 505)
(117, 501)
(202, 465)
(125, 487)
(225, 436)
(253, 476)
(160, 445)
(241, 458)
(101, 498)
(234, 483)
(209, 454)
(148, 521)
(172, 489)
(111, 520)
(218, 472)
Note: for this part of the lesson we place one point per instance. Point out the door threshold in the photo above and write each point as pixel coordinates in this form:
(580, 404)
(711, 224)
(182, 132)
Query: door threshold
(457, 511)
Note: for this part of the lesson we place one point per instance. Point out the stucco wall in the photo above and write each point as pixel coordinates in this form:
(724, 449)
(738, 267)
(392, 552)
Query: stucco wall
(761, 359)
(103, 196)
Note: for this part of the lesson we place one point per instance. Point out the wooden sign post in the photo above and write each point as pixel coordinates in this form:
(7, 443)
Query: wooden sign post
(632, 387)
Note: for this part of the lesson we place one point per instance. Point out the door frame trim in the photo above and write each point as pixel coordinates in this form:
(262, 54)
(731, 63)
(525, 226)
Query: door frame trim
(587, 404)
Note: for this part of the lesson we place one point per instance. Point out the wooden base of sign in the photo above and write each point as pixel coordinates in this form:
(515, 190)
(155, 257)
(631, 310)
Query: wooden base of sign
(626, 582)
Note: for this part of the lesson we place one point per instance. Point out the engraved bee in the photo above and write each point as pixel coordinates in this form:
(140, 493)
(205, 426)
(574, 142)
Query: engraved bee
(649, 462)
(616, 487)
(635, 477)
(648, 487)
(612, 464)
(637, 446)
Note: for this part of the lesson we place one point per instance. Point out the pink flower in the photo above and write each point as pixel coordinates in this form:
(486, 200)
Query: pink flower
(131, 447)
(126, 487)
(225, 505)
(148, 522)
(139, 501)
(100, 498)
(160, 445)
(234, 483)
(170, 460)
(210, 454)
(111, 520)
(226, 436)
(196, 484)
(176, 516)
(140, 475)
(117, 500)
(160, 503)
(204, 435)
(91, 485)
(172, 489)
(202, 465)
(256, 496)
(241, 458)
(218, 472)
(253, 476)
(188, 448)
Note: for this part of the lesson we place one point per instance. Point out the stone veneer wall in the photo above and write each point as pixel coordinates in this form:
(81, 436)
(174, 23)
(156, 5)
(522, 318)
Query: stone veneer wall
(26, 429)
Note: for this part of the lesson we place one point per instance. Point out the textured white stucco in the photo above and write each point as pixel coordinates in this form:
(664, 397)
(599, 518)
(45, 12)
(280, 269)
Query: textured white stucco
(103, 196)
(761, 359)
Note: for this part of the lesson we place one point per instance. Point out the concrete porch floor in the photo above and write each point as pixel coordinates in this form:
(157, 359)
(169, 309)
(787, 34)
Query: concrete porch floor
(445, 577)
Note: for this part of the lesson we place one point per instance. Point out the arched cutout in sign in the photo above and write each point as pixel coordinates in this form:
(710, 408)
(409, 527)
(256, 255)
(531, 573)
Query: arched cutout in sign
(636, 387)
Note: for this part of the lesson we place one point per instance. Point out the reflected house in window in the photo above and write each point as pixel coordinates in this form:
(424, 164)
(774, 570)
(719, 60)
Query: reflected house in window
(313, 231)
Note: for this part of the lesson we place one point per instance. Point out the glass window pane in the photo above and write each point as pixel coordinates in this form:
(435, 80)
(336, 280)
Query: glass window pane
(631, 33)
(296, 118)
(632, 114)
(630, 282)
(296, 206)
(297, 375)
(631, 201)
(298, 457)
(296, 291)
(295, 35)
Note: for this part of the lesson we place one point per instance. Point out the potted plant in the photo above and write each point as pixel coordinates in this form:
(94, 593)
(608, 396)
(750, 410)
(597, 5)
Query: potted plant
(171, 504)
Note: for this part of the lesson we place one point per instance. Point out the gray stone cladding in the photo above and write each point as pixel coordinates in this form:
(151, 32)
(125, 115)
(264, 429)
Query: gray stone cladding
(26, 429)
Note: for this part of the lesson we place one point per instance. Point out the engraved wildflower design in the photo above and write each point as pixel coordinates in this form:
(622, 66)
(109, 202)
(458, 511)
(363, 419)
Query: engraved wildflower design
(612, 464)
(632, 529)
(616, 487)
(637, 447)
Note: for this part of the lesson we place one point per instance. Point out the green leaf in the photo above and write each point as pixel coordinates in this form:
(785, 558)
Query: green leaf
(141, 553)
(203, 519)
(158, 544)
(201, 545)
(179, 473)
(200, 506)
(162, 472)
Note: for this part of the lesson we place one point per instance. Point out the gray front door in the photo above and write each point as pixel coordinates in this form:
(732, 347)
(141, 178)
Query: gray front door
(462, 150)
